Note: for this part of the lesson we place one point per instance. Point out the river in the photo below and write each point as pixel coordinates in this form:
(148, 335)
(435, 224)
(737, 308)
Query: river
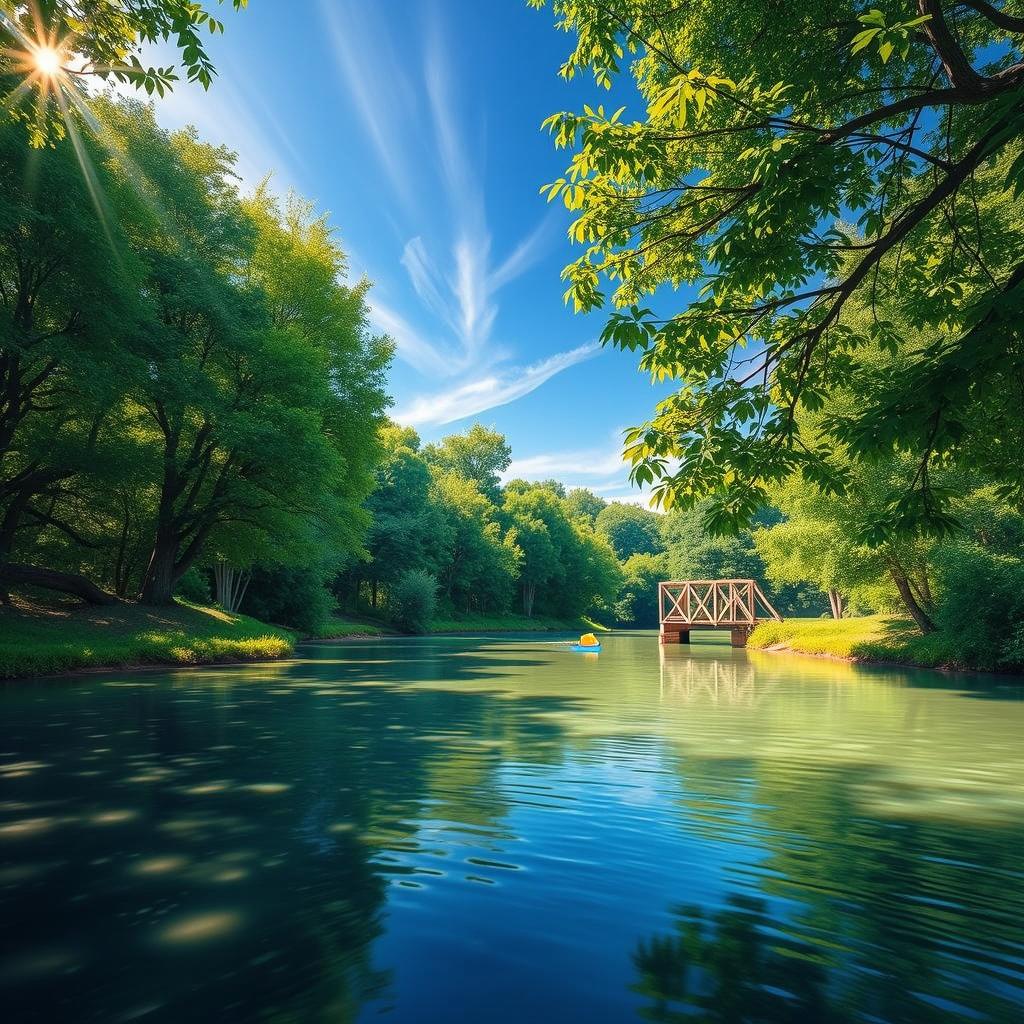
(497, 830)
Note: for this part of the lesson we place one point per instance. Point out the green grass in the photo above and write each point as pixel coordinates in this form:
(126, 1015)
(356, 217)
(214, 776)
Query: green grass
(337, 628)
(866, 638)
(510, 623)
(41, 640)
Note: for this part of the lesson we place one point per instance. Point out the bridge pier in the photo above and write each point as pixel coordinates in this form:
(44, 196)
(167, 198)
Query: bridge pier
(739, 635)
(674, 634)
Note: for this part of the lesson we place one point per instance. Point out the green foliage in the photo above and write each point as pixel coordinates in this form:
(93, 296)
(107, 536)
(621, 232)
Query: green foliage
(412, 601)
(194, 587)
(194, 379)
(100, 39)
(289, 596)
(637, 604)
(761, 133)
(479, 455)
(630, 529)
(584, 504)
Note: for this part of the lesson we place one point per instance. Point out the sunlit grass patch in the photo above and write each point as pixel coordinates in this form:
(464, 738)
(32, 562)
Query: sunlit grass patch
(864, 638)
(37, 640)
(336, 627)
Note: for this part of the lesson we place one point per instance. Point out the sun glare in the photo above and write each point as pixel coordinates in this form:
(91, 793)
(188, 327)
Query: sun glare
(47, 61)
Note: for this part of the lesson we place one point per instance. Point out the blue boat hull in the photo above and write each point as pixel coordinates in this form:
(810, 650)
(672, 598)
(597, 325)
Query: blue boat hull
(580, 649)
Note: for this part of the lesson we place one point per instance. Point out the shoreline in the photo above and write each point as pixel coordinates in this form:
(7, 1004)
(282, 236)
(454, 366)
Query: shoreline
(869, 662)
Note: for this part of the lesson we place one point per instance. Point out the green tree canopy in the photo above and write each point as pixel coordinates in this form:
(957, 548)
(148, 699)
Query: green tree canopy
(630, 529)
(765, 130)
(584, 504)
(480, 455)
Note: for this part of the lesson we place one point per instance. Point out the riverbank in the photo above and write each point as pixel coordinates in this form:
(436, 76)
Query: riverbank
(37, 639)
(47, 639)
(342, 628)
(883, 639)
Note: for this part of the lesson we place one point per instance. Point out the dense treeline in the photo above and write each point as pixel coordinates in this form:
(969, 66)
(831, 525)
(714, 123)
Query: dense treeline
(446, 535)
(186, 380)
(442, 524)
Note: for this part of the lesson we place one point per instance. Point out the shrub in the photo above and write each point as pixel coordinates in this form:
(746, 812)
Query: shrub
(194, 586)
(982, 605)
(412, 601)
(289, 597)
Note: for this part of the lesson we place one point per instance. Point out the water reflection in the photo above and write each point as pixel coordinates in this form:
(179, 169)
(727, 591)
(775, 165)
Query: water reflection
(444, 830)
(688, 678)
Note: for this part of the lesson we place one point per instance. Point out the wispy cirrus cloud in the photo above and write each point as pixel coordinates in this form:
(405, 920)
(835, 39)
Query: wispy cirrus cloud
(429, 147)
(601, 470)
(479, 394)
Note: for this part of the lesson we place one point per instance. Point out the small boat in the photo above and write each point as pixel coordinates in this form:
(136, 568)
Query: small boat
(587, 644)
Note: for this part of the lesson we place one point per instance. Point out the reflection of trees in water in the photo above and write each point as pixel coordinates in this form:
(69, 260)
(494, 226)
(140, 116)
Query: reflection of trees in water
(731, 968)
(267, 822)
(869, 919)
(715, 680)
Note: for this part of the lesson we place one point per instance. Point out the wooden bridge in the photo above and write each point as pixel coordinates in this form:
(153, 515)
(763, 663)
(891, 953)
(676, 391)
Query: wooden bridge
(735, 605)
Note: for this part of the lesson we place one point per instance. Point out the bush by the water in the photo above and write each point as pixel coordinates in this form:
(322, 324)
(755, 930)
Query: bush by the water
(194, 586)
(289, 597)
(412, 601)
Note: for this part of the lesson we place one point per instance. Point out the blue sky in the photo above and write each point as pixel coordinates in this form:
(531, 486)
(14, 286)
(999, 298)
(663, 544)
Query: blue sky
(416, 124)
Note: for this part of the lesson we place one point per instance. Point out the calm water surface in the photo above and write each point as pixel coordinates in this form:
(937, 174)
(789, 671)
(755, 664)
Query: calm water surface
(446, 830)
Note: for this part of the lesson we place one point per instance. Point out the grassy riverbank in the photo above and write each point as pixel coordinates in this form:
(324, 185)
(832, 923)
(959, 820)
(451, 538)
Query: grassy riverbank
(45, 639)
(340, 627)
(880, 638)
(41, 639)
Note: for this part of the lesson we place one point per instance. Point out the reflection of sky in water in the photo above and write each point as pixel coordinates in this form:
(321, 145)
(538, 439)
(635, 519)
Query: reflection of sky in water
(448, 829)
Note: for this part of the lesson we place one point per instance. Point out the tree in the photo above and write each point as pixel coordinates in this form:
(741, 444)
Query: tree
(257, 380)
(637, 603)
(761, 131)
(630, 529)
(69, 287)
(538, 561)
(478, 563)
(406, 525)
(56, 44)
(584, 504)
(480, 455)
(817, 542)
(565, 567)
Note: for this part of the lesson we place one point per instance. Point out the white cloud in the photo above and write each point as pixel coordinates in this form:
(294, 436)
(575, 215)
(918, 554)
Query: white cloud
(410, 345)
(587, 463)
(375, 84)
(476, 396)
(418, 128)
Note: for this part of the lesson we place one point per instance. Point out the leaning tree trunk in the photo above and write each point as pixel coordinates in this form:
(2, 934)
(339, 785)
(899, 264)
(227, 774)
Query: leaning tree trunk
(917, 613)
(13, 574)
(835, 601)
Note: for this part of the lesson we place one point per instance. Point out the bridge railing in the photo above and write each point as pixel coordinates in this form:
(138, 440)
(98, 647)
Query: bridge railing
(726, 603)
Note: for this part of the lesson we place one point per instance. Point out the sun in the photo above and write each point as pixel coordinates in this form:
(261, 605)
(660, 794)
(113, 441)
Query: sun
(48, 60)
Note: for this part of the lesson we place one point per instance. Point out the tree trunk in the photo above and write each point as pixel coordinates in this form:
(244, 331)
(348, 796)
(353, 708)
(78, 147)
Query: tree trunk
(51, 579)
(919, 615)
(158, 585)
(231, 585)
(835, 600)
